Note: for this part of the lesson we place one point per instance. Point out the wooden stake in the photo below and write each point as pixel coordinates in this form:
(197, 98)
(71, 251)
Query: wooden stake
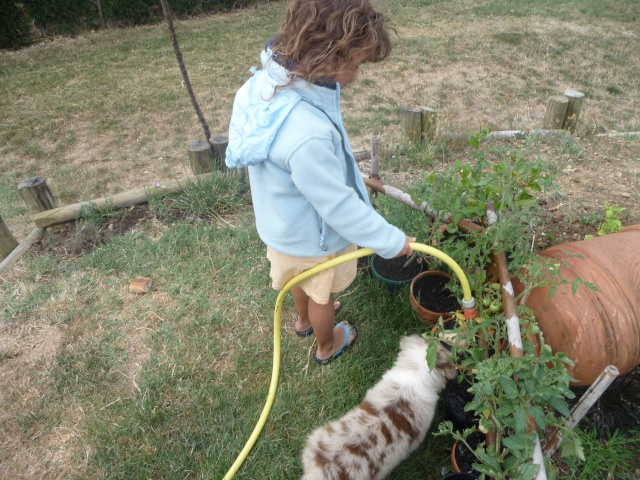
(36, 194)
(17, 252)
(375, 158)
(7, 241)
(556, 111)
(515, 336)
(201, 156)
(576, 98)
(428, 123)
(219, 144)
(411, 124)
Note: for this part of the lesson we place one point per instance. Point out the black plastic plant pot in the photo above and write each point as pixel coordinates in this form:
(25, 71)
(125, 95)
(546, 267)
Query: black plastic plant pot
(456, 398)
(392, 271)
(459, 476)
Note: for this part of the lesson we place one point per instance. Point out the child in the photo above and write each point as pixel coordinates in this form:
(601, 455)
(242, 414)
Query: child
(309, 198)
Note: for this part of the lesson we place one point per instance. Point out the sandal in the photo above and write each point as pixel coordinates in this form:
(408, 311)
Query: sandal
(344, 347)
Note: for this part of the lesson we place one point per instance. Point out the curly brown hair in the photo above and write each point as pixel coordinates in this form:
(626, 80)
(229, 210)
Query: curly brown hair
(319, 37)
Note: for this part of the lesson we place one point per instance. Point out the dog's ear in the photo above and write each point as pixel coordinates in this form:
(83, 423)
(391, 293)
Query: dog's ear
(443, 362)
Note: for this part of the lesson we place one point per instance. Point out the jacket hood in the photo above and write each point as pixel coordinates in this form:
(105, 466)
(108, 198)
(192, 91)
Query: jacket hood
(260, 108)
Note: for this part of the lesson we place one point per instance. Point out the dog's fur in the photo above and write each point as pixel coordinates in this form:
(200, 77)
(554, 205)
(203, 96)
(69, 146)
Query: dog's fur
(370, 440)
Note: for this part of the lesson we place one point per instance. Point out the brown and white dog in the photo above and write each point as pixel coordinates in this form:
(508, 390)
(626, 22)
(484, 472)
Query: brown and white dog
(370, 440)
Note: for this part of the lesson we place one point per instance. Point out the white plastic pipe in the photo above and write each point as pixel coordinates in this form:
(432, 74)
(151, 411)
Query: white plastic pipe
(580, 409)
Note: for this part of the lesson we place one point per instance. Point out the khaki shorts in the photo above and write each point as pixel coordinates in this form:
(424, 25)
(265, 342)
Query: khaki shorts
(319, 286)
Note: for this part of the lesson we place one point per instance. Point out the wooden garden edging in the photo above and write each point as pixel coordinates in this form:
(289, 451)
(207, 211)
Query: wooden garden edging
(22, 247)
(45, 212)
(120, 200)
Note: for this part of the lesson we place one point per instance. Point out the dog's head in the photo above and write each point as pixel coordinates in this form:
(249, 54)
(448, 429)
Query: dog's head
(444, 362)
(418, 345)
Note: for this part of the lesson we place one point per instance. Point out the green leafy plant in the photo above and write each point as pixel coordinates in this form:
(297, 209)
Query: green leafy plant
(515, 397)
(507, 178)
(611, 222)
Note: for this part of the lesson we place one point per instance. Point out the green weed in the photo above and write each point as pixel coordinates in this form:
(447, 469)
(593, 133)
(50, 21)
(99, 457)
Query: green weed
(605, 458)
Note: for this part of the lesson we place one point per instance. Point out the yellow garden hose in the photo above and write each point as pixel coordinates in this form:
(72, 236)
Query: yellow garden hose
(468, 304)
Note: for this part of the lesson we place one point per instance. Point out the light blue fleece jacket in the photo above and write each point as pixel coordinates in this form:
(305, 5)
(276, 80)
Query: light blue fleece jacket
(308, 194)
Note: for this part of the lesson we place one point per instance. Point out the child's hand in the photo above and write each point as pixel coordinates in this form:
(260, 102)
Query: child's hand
(407, 250)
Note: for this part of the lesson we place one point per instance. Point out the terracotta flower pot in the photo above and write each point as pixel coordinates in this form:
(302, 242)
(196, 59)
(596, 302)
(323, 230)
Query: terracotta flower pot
(462, 458)
(594, 328)
(427, 294)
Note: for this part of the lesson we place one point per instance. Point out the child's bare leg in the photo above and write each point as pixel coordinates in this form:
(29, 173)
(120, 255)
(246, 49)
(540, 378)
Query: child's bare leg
(301, 300)
(329, 338)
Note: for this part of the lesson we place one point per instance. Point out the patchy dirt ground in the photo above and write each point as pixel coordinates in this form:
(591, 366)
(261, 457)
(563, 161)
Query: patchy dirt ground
(593, 171)
(603, 170)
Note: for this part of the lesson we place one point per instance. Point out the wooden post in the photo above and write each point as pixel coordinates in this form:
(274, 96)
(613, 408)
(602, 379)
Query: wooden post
(428, 123)
(576, 98)
(411, 124)
(36, 194)
(201, 156)
(375, 158)
(16, 253)
(515, 335)
(219, 144)
(7, 241)
(556, 111)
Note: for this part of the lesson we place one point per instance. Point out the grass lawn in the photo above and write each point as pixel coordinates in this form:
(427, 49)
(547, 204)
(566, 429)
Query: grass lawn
(97, 382)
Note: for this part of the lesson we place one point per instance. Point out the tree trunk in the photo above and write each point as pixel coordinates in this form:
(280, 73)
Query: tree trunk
(176, 48)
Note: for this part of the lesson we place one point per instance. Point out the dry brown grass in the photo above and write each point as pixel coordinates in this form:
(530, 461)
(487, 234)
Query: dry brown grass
(107, 112)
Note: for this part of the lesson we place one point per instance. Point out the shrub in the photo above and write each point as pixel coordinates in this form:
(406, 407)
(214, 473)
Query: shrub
(15, 30)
